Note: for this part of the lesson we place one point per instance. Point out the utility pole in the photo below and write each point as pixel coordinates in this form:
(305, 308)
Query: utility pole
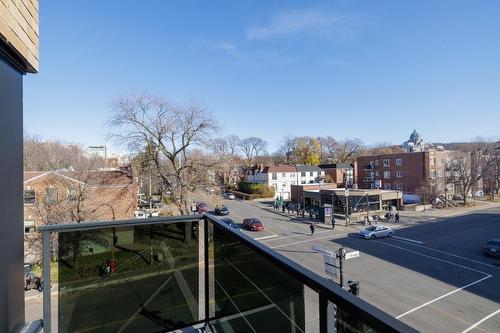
(341, 255)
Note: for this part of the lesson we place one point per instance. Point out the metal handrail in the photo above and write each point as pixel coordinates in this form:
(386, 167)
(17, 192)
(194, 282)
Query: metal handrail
(326, 289)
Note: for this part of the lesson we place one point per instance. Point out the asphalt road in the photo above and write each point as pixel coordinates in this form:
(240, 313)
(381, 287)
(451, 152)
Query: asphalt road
(434, 276)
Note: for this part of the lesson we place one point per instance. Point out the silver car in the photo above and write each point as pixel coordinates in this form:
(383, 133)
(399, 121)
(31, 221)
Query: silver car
(373, 232)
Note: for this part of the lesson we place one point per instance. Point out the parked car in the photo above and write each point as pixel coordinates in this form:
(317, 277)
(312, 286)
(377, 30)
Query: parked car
(230, 223)
(201, 207)
(373, 232)
(492, 248)
(229, 196)
(253, 224)
(221, 210)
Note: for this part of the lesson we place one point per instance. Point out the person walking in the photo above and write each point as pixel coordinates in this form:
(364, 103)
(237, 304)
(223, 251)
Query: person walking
(283, 208)
(311, 226)
(397, 217)
(333, 222)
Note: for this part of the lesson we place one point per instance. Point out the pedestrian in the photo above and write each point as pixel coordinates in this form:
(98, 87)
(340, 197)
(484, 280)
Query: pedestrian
(365, 220)
(283, 208)
(288, 208)
(397, 217)
(333, 222)
(311, 226)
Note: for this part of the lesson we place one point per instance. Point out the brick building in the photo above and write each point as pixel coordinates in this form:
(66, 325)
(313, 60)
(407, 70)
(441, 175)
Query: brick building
(406, 171)
(61, 196)
(341, 174)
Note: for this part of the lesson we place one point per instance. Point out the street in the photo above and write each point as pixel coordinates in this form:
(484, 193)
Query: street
(433, 276)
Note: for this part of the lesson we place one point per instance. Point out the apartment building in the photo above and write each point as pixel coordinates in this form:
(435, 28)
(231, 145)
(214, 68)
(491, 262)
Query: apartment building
(406, 171)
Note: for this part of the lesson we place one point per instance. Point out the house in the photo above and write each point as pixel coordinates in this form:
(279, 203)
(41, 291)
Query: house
(279, 177)
(341, 174)
(309, 174)
(54, 197)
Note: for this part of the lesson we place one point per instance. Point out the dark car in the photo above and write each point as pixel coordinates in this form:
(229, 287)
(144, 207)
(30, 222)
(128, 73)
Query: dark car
(492, 248)
(201, 207)
(221, 210)
(230, 223)
(253, 224)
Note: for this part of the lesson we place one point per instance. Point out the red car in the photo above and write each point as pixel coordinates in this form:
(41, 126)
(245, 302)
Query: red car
(253, 224)
(201, 207)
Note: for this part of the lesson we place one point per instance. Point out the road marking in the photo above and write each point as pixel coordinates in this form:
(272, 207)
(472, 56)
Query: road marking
(408, 240)
(481, 321)
(308, 240)
(435, 258)
(443, 296)
(283, 227)
(266, 237)
(454, 255)
(143, 306)
(296, 236)
(461, 232)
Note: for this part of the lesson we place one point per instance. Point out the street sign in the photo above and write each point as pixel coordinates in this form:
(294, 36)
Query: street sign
(350, 255)
(346, 193)
(324, 251)
(330, 266)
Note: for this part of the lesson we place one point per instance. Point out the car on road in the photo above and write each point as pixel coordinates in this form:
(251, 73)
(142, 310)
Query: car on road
(492, 248)
(221, 210)
(253, 224)
(229, 196)
(230, 223)
(377, 231)
(201, 207)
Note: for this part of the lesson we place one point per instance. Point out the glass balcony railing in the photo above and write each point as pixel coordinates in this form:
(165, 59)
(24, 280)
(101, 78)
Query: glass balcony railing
(164, 274)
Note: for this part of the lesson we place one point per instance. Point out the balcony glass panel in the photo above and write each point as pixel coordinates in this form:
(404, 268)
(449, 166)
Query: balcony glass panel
(254, 295)
(128, 279)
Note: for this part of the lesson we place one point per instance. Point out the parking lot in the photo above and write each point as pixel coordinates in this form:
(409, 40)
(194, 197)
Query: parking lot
(432, 275)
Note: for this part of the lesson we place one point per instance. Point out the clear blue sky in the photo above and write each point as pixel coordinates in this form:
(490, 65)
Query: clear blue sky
(374, 70)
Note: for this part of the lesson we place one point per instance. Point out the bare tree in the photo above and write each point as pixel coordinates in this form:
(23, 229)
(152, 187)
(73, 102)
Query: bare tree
(226, 150)
(172, 132)
(347, 150)
(284, 155)
(467, 171)
(252, 148)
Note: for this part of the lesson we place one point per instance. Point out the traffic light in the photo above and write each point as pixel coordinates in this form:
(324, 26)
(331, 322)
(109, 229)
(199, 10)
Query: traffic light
(353, 287)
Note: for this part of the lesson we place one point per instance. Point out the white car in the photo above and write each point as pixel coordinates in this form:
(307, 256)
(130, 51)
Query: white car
(373, 232)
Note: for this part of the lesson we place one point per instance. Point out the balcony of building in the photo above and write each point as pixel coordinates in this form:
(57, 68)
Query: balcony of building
(191, 273)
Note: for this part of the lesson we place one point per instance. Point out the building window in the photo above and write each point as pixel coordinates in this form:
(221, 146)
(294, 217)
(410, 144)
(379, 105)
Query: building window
(371, 174)
(274, 176)
(399, 161)
(283, 175)
(376, 173)
(275, 187)
(387, 174)
(440, 173)
(399, 173)
(399, 186)
(311, 174)
(51, 195)
(303, 182)
(433, 161)
(433, 173)
(29, 226)
(371, 163)
(387, 163)
(29, 196)
(72, 195)
(387, 186)
(303, 173)
(376, 162)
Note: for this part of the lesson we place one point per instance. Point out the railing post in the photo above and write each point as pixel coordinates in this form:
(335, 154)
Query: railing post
(207, 263)
(46, 282)
(323, 313)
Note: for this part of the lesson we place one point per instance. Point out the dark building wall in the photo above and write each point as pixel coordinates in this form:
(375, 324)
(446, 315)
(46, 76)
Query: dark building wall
(11, 199)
